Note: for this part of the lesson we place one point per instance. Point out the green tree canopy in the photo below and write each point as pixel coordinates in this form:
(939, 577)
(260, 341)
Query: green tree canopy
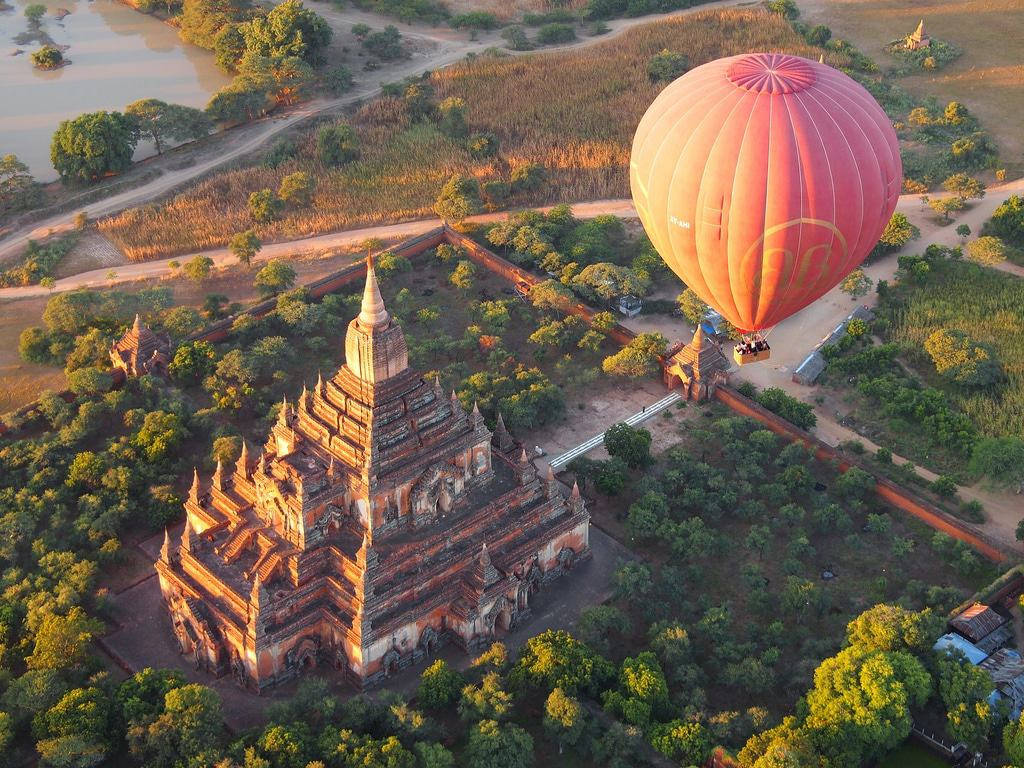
(93, 145)
(637, 359)
(275, 277)
(290, 29)
(962, 360)
(161, 122)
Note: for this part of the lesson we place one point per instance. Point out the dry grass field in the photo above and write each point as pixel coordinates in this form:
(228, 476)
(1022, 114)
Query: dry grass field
(988, 77)
(574, 112)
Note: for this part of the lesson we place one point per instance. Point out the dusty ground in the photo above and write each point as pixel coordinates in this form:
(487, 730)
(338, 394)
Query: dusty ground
(22, 382)
(988, 77)
(142, 634)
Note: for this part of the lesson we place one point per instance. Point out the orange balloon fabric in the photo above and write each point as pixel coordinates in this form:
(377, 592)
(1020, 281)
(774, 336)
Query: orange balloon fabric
(763, 180)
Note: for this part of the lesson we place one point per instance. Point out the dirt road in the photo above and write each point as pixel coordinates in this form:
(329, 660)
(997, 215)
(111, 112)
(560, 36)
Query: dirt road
(810, 324)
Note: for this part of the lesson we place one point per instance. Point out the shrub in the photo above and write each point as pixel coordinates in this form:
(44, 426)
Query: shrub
(788, 407)
(264, 206)
(516, 38)
(386, 45)
(555, 33)
(475, 20)
(47, 57)
(666, 66)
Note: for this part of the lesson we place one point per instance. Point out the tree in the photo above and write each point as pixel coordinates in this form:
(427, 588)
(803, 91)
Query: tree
(296, 188)
(964, 187)
(264, 206)
(161, 122)
(666, 66)
(492, 745)
(386, 45)
(555, 659)
(76, 729)
(440, 685)
(34, 12)
(458, 198)
(944, 206)
(462, 275)
(631, 444)
(964, 689)
(1000, 459)
(47, 57)
(637, 359)
(788, 407)
(1008, 220)
(608, 281)
(337, 144)
(193, 361)
(987, 250)
(337, 80)
(482, 145)
(688, 743)
(18, 190)
(62, 642)
(1013, 740)
(563, 719)
(189, 725)
(453, 117)
(290, 29)
(897, 233)
(692, 306)
(962, 360)
(197, 268)
(93, 145)
(856, 284)
(551, 294)
(433, 755)
(487, 701)
(887, 627)
(275, 277)
(243, 99)
(861, 701)
(245, 245)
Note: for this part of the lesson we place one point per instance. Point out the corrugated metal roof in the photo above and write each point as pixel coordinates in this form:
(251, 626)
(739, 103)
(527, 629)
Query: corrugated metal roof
(977, 621)
(952, 642)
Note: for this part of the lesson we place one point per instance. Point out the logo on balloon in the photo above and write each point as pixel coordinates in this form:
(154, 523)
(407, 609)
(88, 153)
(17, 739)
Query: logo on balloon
(772, 259)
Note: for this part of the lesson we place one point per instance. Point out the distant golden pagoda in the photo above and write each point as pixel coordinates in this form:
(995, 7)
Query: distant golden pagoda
(376, 523)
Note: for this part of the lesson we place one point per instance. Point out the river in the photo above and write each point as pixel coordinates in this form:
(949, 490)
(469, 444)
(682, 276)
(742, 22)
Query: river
(117, 55)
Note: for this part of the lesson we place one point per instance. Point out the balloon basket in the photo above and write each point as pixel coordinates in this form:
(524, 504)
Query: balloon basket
(755, 356)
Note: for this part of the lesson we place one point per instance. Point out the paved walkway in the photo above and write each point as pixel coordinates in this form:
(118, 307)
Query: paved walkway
(652, 410)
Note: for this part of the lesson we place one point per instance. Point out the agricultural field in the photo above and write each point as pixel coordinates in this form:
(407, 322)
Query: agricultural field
(580, 134)
(759, 554)
(988, 77)
(896, 391)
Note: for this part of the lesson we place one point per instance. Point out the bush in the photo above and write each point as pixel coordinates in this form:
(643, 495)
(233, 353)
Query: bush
(385, 45)
(666, 66)
(517, 39)
(788, 407)
(47, 57)
(555, 33)
(475, 20)
(264, 206)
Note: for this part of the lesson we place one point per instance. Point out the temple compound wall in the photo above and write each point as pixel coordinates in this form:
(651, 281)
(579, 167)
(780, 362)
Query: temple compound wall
(379, 521)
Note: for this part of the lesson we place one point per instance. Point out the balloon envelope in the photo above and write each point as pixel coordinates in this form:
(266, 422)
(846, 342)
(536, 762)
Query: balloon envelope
(763, 180)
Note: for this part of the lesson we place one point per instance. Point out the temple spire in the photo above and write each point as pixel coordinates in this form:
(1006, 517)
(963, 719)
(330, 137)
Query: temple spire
(372, 313)
(193, 492)
(282, 416)
(242, 466)
(137, 325)
(186, 536)
(165, 548)
(218, 476)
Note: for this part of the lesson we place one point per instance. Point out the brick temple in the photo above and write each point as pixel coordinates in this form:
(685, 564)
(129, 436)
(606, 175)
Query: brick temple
(140, 351)
(379, 521)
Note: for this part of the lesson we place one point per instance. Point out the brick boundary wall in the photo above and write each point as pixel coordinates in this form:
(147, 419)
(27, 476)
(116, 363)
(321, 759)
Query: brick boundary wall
(888, 491)
(899, 497)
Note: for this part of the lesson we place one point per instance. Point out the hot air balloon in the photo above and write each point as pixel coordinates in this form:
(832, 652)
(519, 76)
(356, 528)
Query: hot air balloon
(763, 180)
